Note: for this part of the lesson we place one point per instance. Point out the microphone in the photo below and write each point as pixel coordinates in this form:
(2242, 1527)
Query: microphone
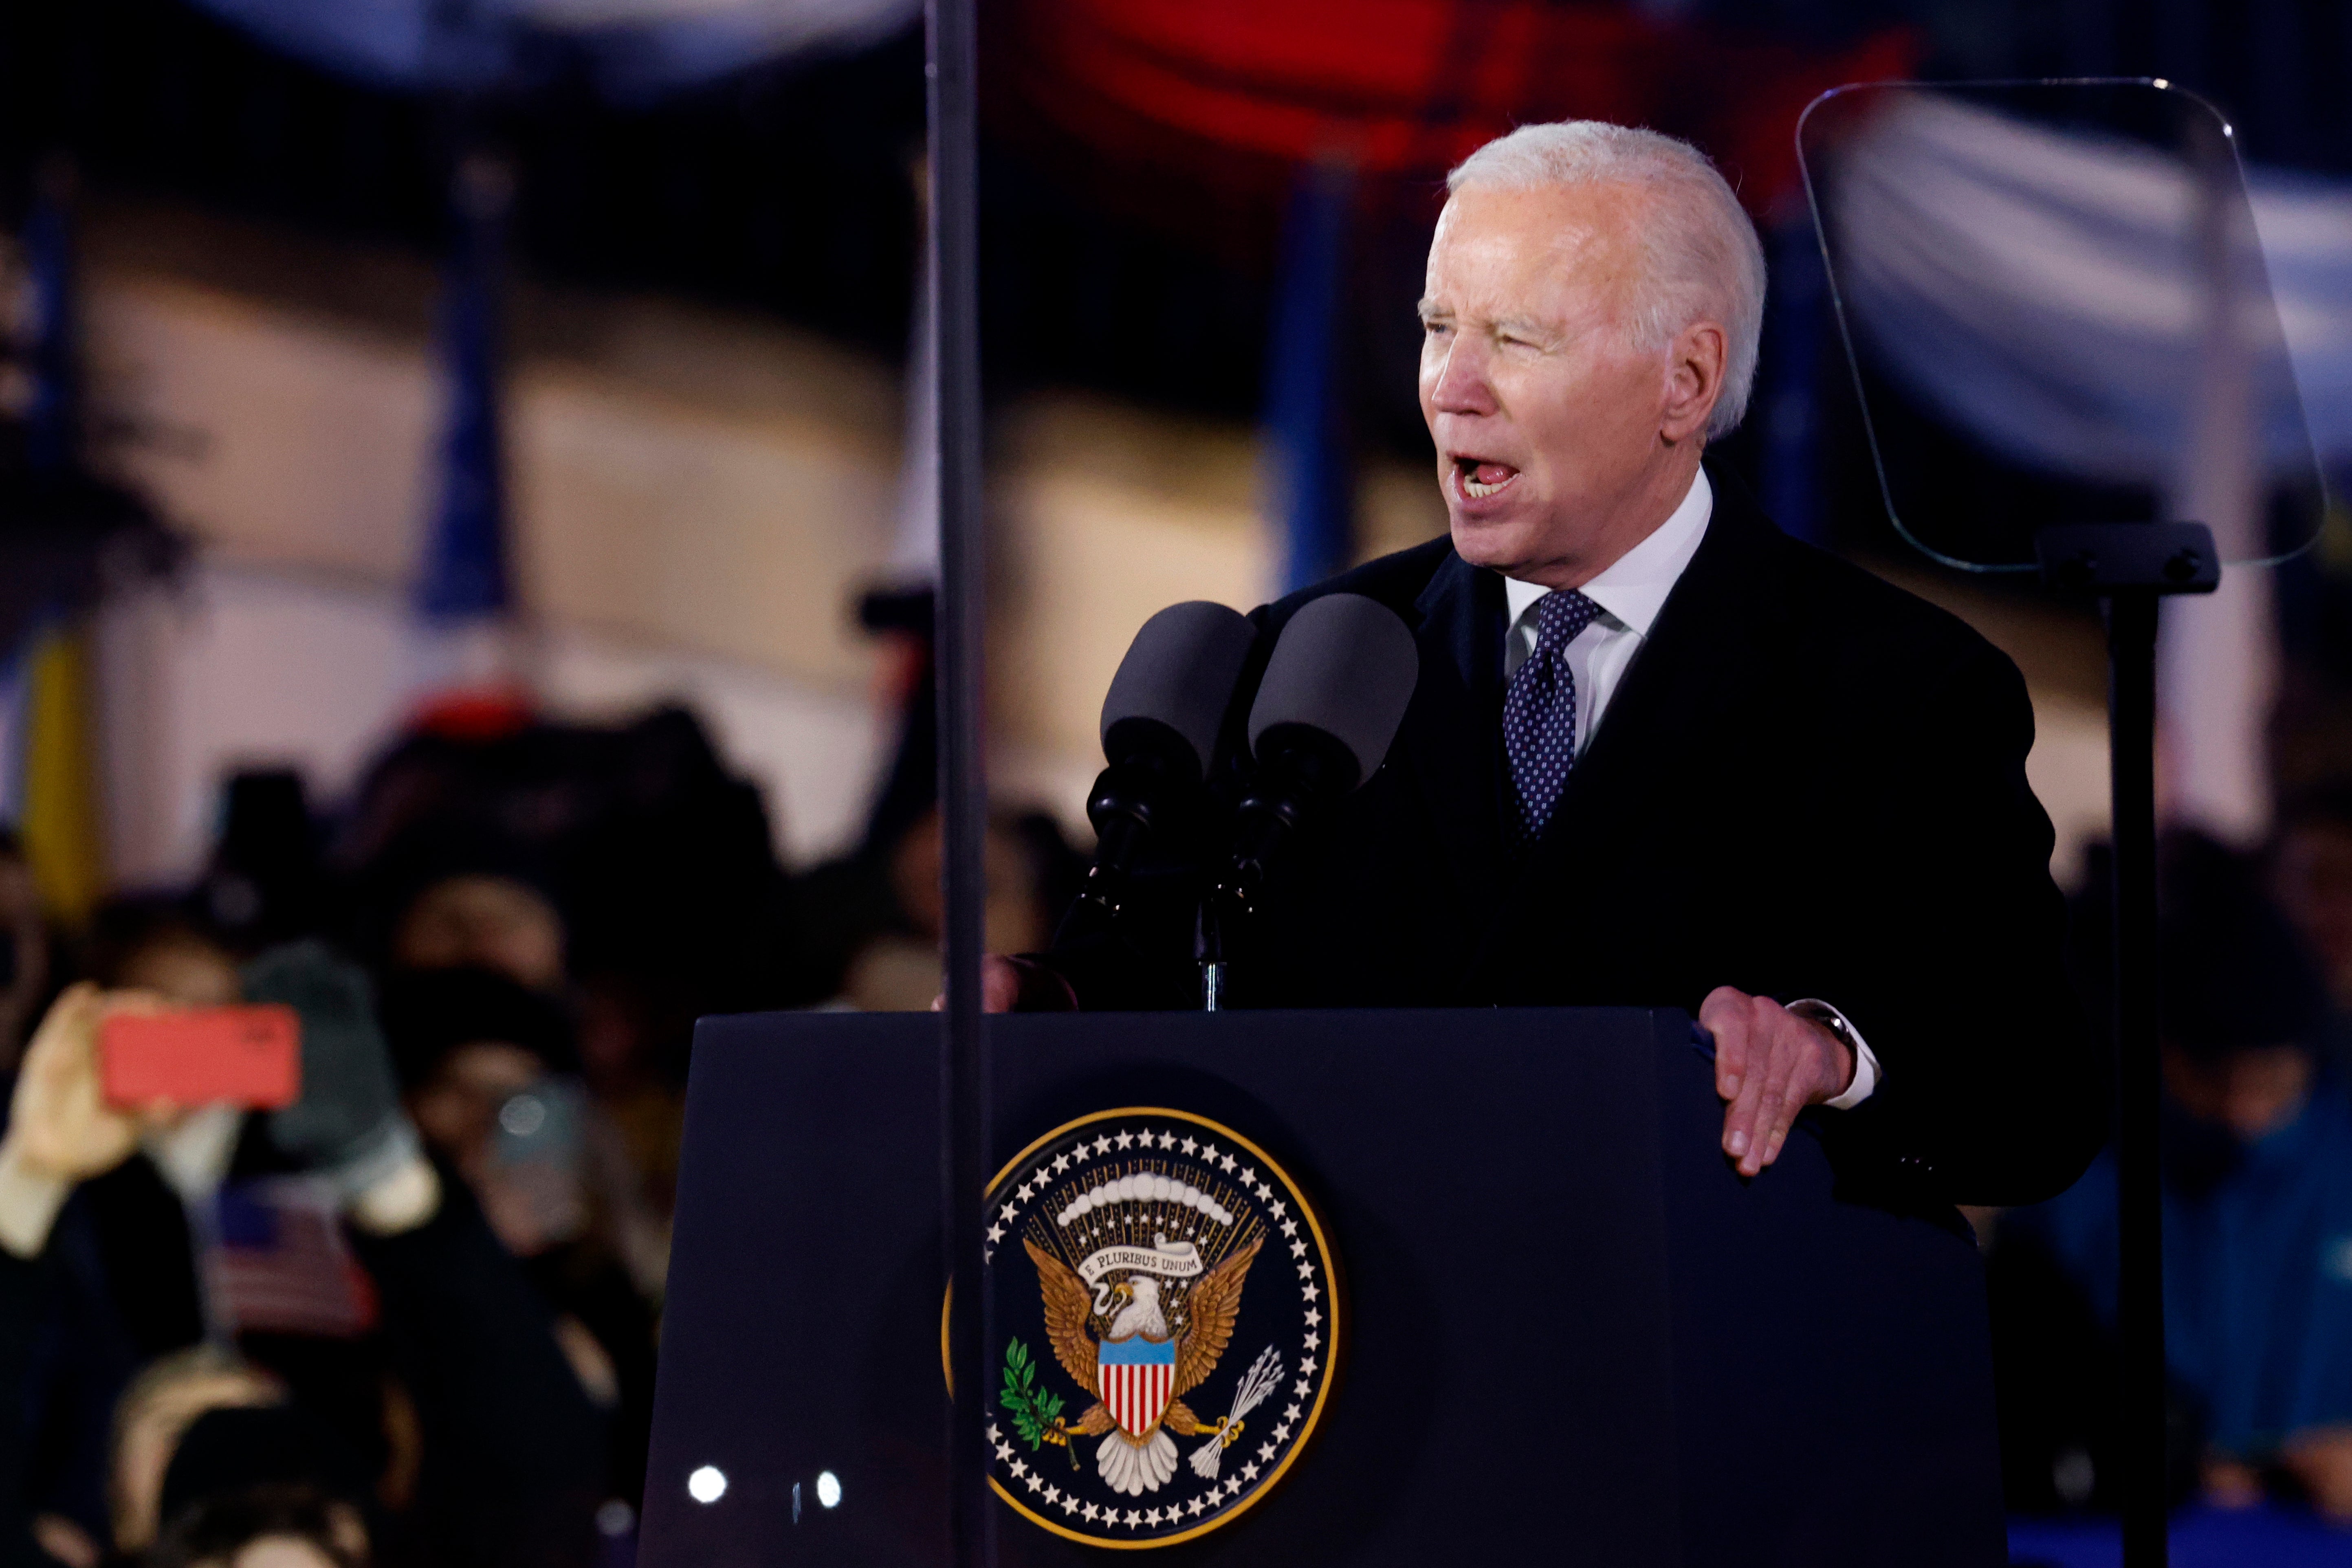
(1328, 707)
(1327, 710)
(1159, 725)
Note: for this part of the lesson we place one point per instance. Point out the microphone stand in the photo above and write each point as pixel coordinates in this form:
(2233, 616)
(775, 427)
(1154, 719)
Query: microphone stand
(2130, 568)
(1226, 907)
(1298, 774)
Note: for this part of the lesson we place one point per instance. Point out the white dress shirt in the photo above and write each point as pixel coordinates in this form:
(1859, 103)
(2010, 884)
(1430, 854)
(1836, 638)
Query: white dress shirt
(1630, 592)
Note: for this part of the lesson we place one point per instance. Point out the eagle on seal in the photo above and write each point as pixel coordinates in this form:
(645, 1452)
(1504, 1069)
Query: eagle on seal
(1138, 1461)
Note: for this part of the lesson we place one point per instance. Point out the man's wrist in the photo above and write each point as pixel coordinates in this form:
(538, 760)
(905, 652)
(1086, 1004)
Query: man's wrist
(29, 1201)
(1863, 1076)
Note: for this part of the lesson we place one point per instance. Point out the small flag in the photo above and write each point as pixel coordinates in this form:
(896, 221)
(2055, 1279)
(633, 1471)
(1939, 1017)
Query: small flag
(278, 1262)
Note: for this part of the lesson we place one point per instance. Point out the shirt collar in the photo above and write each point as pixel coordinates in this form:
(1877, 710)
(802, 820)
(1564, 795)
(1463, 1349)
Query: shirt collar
(1632, 589)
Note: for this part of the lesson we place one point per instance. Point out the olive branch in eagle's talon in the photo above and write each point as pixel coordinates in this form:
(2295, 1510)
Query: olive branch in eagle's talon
(1036, 1411)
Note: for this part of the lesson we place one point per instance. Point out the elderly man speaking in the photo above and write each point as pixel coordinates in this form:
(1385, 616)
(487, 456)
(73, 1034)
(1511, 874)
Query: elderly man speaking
(1661, 754)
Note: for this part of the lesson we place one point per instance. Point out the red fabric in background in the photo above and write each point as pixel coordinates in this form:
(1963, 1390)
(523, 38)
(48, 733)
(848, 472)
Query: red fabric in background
(472, 714)
(1220, 101)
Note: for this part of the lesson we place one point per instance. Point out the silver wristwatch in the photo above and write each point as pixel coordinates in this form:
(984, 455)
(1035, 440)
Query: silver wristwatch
(1815, 1011)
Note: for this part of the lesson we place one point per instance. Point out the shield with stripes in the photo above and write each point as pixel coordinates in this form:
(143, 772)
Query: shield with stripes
(1136, 1377)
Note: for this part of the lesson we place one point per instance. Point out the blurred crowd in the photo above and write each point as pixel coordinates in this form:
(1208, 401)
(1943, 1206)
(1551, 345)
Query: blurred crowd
(2255, 1023)
(414, 1317)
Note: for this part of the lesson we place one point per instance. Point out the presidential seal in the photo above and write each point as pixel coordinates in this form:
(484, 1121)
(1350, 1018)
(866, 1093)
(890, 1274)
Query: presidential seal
(1164, 1327)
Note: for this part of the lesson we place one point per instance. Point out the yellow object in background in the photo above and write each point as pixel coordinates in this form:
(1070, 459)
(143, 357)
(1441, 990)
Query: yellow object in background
(59, 823)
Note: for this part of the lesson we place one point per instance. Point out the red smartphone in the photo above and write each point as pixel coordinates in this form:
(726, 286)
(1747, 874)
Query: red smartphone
(202, 1055)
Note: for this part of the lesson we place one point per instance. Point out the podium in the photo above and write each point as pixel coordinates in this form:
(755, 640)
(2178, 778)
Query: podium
(1574, 1333)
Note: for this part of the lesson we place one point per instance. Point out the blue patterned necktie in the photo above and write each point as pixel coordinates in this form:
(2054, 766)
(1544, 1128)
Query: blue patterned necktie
(1539, 715)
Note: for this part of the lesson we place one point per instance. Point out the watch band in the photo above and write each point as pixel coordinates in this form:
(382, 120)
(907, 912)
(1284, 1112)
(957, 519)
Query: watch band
(1829, 1018)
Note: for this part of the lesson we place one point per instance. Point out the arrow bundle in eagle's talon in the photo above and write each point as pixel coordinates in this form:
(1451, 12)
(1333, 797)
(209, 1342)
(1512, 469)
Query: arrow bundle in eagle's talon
(1264, 1375)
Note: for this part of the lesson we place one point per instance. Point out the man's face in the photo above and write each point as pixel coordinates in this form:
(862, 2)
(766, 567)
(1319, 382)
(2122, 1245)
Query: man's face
(1547, 424)
(495, 922)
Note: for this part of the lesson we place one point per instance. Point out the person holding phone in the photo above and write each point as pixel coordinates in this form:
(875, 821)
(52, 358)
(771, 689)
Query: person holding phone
(513, 1446)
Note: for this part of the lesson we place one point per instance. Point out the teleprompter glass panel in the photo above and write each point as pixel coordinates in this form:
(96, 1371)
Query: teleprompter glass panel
(2056, 310)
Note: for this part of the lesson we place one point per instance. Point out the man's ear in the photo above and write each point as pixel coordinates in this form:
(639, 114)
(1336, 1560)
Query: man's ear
(1694, 366)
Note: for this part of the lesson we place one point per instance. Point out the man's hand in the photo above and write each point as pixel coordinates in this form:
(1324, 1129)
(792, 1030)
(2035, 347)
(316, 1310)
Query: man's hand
(1017, 985)
(1770, 1065)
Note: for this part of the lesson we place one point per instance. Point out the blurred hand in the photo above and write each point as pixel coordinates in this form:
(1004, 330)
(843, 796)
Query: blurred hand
(350, 1106)
(2231, 1483)
(61, 1126)
(1770, 1065)
(1017, 985)
(2321, 1459)
(348, 1126)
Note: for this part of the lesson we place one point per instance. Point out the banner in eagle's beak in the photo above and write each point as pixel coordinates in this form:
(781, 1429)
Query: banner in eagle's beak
(1136, 1379)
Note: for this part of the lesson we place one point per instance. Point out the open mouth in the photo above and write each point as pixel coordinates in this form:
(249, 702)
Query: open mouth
(1480, 477)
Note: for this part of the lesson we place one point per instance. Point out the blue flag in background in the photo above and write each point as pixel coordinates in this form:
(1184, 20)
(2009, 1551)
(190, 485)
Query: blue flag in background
(52, 436)
(464, 575)
(1309, 472)
(1788, 400)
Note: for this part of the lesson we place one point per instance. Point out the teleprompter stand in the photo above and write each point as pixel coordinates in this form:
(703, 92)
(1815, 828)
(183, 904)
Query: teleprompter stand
(2130, 568)
(1939, 279)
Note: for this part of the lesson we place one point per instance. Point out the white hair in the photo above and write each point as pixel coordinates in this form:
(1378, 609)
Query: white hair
(1701, 257)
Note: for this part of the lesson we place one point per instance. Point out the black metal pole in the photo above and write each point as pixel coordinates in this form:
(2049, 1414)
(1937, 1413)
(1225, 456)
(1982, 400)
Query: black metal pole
(2131, 733)
(963, 805)
(2131, 568)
